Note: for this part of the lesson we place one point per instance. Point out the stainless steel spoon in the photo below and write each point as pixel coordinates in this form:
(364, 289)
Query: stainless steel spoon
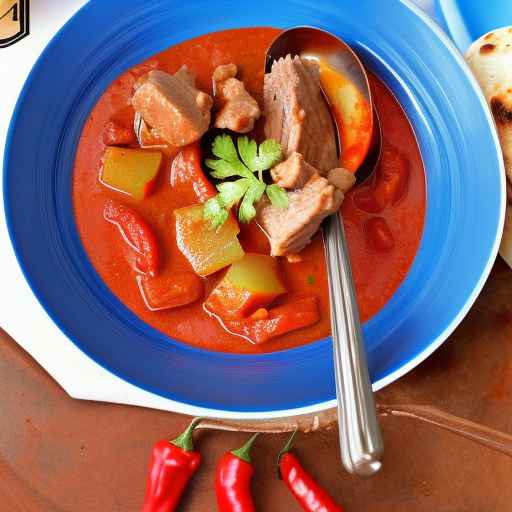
(360, 436)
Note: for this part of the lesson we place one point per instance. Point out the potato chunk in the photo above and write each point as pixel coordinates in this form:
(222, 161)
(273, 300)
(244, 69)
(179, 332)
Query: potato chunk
(208, 250)
(250, 283)
(130, 171)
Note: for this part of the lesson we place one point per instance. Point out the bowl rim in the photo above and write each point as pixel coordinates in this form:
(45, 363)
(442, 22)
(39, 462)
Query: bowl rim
(187, 408)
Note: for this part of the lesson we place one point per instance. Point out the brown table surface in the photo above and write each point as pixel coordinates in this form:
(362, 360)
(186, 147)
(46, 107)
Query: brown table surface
(63, 455)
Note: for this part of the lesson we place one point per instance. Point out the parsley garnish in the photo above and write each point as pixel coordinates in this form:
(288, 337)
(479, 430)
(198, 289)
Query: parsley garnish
(247, 164)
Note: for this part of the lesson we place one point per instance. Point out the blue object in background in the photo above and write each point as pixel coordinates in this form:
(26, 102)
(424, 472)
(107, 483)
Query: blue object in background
(467, 20)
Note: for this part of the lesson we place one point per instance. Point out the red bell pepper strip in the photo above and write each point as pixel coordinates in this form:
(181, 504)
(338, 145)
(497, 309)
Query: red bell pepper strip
(170, 289)
(308, 493)
(115, 134)
(296, 314)
(136, 232)
(172, 465)
(187, 176)
(233, 480)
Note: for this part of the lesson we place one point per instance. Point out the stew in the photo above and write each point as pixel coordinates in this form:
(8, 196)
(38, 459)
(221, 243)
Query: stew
(143, 193)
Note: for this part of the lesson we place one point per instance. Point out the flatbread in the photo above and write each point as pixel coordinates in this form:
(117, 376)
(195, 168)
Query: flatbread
(490, 59)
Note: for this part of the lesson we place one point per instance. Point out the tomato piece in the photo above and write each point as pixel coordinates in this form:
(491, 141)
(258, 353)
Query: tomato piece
(137, 234)
(115, 134)
(188, 178)
(379, 234)
(250, 283)
(293, 315)
(170, 290)
(365, 200)
(392, 177)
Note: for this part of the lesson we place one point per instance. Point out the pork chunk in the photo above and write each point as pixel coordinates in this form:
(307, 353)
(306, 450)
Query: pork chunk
(237, 110)
(297, 114)
(173, 106)
(290, 230)
(294, 172)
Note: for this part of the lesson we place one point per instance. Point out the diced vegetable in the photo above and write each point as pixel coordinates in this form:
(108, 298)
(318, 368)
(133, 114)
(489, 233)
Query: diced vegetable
(170, 290)
(289, 317)
(208, 250)
(250, 283)
(138, 235)
(188, 178)
(365, 200)
(392, 177)
(115, 134)
(379, 235)
(353, 115)
(130, 171)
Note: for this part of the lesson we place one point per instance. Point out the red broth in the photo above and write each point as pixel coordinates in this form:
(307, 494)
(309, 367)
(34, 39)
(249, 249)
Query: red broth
(383, 219)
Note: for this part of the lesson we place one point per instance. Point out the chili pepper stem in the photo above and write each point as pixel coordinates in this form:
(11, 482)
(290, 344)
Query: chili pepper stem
(185, 440)
(286, 448)
(244, 452)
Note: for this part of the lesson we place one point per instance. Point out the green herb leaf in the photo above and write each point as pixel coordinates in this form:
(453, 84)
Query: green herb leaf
(247, 212)
(224, 148)
(247, 160)
(277, 195)
(311, 279)
(248, 150)
(223, 169)
(256, 159)
(215, 212)
(232, 191)
(269, 154)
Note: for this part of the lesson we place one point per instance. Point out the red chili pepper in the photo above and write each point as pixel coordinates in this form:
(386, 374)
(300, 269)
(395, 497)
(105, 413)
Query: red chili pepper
(233, 480)
(137, 233)
(172, 465)
(306, 491)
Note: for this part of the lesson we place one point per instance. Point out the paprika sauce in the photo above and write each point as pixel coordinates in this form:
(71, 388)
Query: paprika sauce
(383, 217)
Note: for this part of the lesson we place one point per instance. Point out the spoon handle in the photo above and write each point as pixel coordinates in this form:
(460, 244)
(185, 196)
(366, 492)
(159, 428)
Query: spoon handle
(360, 437)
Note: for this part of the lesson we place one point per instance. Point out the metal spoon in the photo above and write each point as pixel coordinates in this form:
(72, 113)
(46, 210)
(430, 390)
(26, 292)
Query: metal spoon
(360, 436)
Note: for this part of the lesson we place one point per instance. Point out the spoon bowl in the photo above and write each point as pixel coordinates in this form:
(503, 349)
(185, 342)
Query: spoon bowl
(346, 89)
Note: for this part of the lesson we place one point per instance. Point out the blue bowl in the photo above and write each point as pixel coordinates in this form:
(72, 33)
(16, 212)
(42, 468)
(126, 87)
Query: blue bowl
(464, 218)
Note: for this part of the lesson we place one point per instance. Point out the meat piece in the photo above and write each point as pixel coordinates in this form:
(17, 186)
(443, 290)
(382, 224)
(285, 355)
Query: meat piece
(173, 106)
(186, 77)
(237, 110)
(341, 178)
(297, 114)
(294, 172)
(290, 230)
(224, 72)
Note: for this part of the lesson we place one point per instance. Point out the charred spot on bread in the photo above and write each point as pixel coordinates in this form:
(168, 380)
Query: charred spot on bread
(502, 113)
(487, 48)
